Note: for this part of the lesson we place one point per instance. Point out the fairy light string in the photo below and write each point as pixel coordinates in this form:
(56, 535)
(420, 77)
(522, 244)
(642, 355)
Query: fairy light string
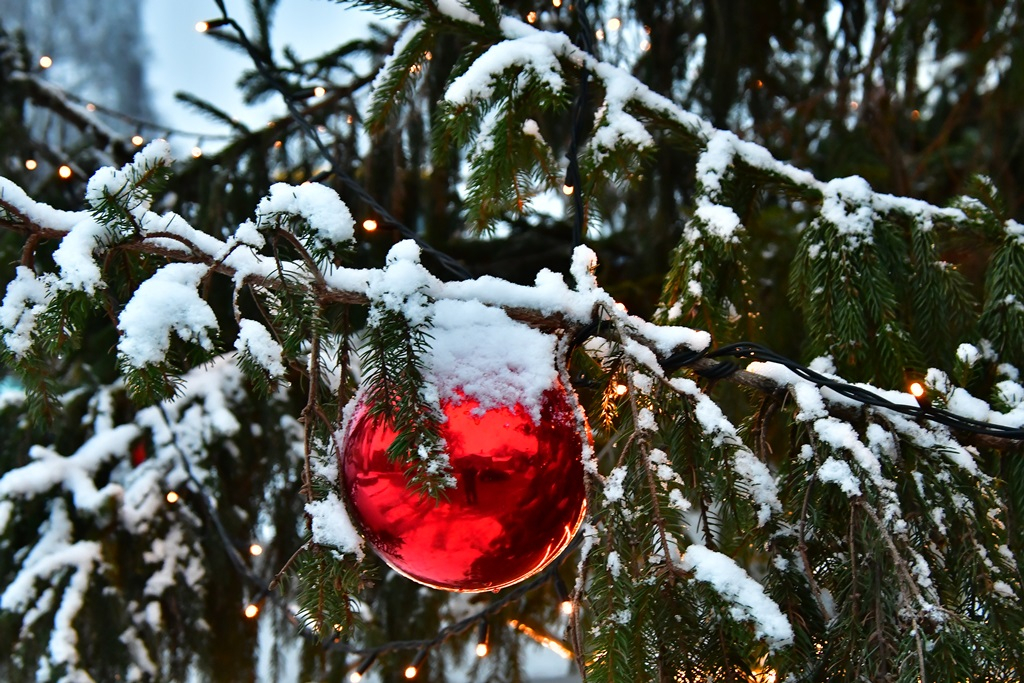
(573, 179)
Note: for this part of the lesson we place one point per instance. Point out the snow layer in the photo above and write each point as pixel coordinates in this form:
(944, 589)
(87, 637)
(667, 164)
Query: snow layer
(167, 302)
(332, 526)
(750, 603)
(329, 221)
(481, 352)
(25, 299)
(256, 341)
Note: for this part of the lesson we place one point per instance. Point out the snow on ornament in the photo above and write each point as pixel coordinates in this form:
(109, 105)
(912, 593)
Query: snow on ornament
(515, 451)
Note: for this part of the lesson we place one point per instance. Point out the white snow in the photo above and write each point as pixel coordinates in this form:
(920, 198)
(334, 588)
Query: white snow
(329, 220)
(255, 340)
(968, 354)
(166, 302)
(332, 526)
(534, 53)
(458, 10)
(481, 352)
(121, 184)
(614, 564)
(79, 270)
(25, 299)
(837, 472)
(613, 491)
(746, 595)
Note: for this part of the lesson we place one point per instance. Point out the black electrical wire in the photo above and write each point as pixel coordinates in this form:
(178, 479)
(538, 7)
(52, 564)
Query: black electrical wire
(752, 351)
(573, 177)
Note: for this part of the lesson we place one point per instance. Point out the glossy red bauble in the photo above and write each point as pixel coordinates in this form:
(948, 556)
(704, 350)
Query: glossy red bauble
(518, 501)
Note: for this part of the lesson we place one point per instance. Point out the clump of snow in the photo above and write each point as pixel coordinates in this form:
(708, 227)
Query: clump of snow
(721, 221)
(750, 603)
(166, 302)
(332, 526)
(847, 205)
(25, 299)
(458, 10)
(74, 473)
(256, 341)
(755, 475)
(328, 218)
(968, 354)
(1015, 230)
(535, 53)
(614, 564)
(613, 490)
(176, 562)
(53, 553)
(38, 212)
(617, 126)
(75, 257)
(837, 472)
(402, 286)
(481, 352)
(121, 184)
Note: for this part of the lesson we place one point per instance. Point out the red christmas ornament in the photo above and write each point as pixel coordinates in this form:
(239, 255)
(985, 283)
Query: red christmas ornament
(518, 501)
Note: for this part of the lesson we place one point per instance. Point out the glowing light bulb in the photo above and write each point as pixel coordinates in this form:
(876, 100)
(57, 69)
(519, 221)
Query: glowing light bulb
(197, 152)
(917, 389)
(614, 24)
(411, 671)
(481, 649)
(567, 190)
(172, 497)
(202, 26)
(369, 225)
(90, 107)
(556, 3)
(45, 61)
(31, 164)
(64, 171)
(599, 34)
(428, 55)
(137, 140)
(531, 17)
(854, 105)
(251, 611)
(255, 550)
(645, 45)
(620, 389)
(355, 677)
(566, 605)
(319, 91)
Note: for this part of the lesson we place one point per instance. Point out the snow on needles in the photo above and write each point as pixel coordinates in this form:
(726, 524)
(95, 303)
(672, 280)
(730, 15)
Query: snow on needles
(745, 594)
(486, 355)
(168, 301)
(25, 299)
(327, 217)
(332, 526)
(255, 340)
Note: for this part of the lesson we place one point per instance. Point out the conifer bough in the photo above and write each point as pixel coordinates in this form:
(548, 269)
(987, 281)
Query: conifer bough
(821, 539)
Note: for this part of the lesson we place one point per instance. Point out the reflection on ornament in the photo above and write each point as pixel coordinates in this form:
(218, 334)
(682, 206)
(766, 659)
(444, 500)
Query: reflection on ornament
(518, 501)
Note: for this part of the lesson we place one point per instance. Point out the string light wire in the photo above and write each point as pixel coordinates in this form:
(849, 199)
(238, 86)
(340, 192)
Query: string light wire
(751, 351)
